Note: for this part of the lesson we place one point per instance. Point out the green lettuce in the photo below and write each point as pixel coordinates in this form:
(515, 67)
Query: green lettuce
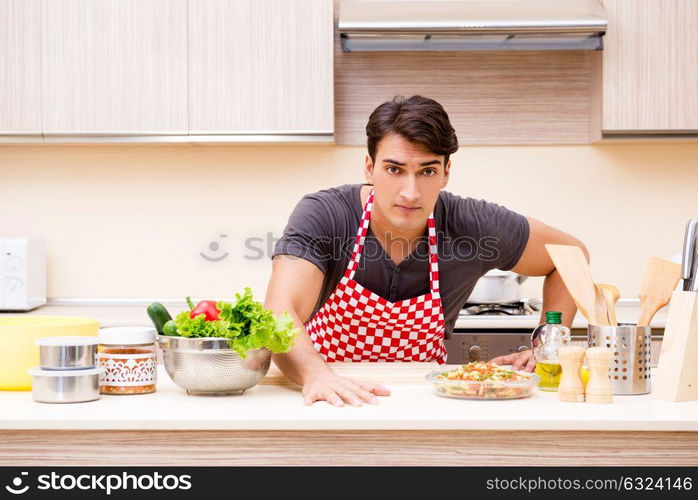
(198, 326)
(246, 324)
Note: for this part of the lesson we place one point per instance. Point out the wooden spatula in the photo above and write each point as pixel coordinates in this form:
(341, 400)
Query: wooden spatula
(610, 295)
(661, 277)
(602, 317)
(574, 269)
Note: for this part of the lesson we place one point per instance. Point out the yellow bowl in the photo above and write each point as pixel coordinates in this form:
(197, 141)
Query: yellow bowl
(18, 349)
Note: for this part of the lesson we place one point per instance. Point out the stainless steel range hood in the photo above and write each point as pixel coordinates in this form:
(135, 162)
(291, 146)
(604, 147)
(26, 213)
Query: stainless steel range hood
(374, 25)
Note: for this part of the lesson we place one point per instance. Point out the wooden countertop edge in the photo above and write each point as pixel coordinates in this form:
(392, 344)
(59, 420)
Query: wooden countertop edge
(347, 448)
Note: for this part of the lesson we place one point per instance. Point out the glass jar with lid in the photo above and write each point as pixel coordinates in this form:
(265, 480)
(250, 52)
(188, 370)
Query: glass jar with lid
(129, 358)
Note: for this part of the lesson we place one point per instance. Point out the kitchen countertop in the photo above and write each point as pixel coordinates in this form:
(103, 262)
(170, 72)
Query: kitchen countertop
(114, 312)
(277, 405)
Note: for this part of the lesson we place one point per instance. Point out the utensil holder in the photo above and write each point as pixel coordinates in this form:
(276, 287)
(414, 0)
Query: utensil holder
(630, 362)
(677, 370)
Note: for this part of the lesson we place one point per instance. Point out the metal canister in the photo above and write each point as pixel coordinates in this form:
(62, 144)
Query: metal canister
(67, 353)
(65, 386)
(630, 364)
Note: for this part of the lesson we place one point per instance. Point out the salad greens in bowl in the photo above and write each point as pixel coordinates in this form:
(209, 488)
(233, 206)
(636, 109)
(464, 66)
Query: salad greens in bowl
(221, 347)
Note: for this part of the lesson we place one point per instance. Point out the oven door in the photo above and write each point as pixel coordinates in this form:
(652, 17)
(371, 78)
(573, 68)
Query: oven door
(470, 344)
(466, 345)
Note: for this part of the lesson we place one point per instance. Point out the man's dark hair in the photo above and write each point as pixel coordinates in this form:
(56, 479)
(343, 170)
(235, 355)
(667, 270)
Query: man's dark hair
(418, 119)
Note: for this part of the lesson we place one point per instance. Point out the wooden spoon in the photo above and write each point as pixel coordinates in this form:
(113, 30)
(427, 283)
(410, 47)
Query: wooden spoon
(574, 270)
(661, 278)
(610, 295)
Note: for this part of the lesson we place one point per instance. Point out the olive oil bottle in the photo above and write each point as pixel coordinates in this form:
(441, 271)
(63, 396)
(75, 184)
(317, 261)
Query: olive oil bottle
(545, 341)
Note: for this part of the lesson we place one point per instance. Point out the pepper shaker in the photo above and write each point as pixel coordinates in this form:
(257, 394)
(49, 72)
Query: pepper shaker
(571, 388)
(599, 388)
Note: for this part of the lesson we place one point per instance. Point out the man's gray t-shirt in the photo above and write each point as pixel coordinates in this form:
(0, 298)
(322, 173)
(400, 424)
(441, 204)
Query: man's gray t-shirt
(473, 236)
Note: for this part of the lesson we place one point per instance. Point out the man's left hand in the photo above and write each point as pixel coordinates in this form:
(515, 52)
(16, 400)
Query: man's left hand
(520, 360)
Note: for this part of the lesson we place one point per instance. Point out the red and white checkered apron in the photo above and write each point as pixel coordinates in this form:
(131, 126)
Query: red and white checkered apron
(356, 324)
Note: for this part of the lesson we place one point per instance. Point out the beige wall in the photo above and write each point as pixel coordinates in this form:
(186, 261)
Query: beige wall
(130, 221)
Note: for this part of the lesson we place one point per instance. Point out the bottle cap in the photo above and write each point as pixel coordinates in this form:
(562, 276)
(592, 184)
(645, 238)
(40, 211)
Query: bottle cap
(553, 317)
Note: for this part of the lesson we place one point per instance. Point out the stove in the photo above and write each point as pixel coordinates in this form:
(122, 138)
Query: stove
(522, 308)
(485, 331)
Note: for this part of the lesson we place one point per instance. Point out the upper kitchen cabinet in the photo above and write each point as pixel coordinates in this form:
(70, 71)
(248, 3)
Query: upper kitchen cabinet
(501, 86)
(650, 70)
(20, 67)
(114, 67)
(262, 67)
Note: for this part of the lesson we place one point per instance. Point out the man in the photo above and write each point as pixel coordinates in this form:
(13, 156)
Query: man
(378, 272)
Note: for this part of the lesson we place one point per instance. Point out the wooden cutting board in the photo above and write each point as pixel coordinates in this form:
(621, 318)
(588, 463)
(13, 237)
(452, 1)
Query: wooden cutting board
(393, 373)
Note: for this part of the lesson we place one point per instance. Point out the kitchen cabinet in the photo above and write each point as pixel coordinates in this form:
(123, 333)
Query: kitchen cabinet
(650, 66)
(20, 67)
(114, 67)
(261, 67)
(172, 70)
(492, 97)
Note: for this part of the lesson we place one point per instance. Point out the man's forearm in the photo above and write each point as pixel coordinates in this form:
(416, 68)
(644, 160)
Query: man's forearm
(302, 360)
(557, 298)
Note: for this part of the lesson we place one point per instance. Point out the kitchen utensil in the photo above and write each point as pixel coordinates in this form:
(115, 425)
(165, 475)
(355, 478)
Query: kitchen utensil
(631, 355)
(209, 365)
(677, 370)
(497, 287)
(600, 307)
(65, 353)
(571, 388)
(65, 386)
(689, 268)
(573, 268)
(598, 389)
(486, 389)
(661, 278)
(18, 349)
(610, 295)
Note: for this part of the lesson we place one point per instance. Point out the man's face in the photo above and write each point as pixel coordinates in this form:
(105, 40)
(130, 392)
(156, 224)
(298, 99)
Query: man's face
(407, 179)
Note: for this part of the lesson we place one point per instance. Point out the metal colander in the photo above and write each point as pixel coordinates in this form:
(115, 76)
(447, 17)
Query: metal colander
(209, 366)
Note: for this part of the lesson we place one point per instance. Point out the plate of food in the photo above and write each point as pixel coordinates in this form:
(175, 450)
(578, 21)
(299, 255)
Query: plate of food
(483, 380)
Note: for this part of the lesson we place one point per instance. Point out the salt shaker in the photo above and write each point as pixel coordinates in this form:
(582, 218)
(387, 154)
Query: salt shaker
(571, 388)
(599, 388)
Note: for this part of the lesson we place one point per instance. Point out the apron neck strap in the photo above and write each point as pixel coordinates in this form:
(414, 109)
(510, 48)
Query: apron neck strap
(361, 240)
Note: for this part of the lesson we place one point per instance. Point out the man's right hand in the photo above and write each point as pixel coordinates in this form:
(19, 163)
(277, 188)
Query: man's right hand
(326, 385)
(295, 286)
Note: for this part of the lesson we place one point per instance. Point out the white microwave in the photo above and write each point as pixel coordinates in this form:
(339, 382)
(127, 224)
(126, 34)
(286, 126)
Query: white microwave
(22, 273)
